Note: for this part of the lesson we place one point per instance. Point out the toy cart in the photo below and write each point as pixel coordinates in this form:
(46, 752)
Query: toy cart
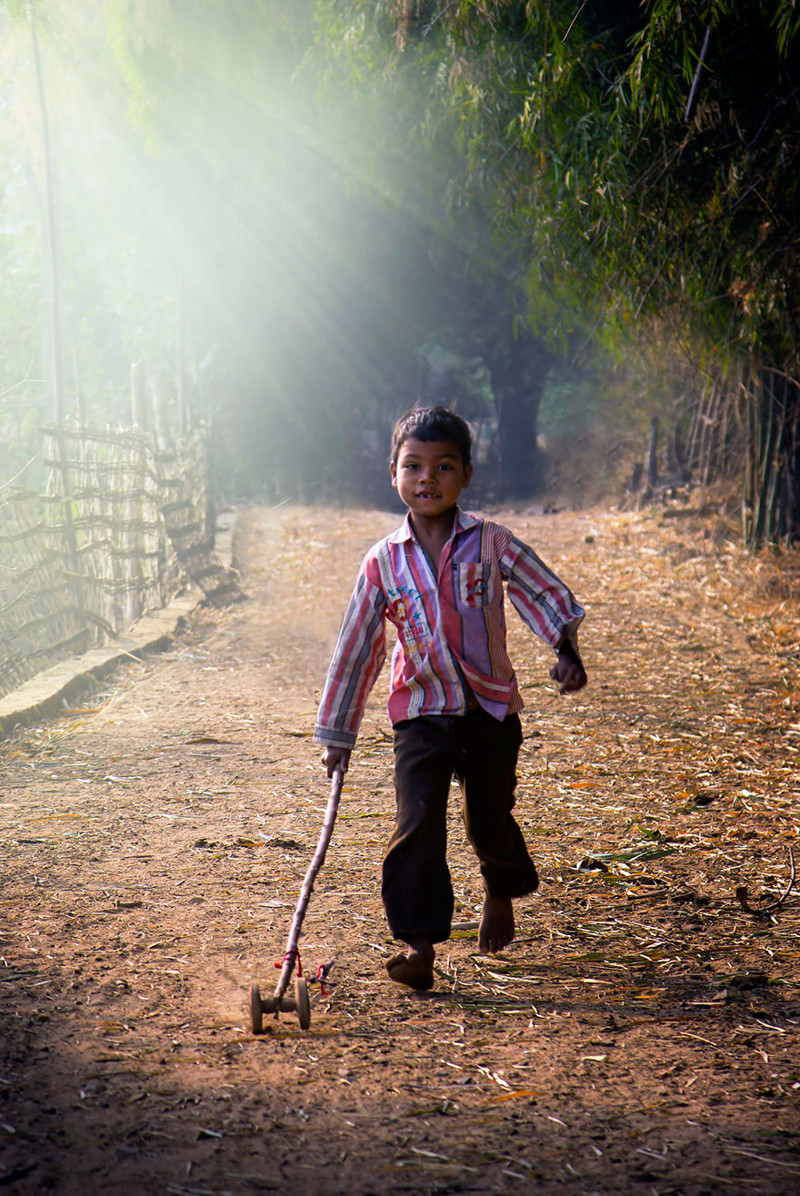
(279, 1002)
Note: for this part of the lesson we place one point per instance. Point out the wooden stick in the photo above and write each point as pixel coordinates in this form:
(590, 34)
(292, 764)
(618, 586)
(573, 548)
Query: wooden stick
(291, 953)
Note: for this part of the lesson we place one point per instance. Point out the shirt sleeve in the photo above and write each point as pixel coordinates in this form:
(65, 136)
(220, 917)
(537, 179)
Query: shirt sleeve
(355, 665)
(540, 598)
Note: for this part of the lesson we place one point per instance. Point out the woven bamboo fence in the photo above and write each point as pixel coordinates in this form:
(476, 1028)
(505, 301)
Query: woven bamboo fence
(119, 531)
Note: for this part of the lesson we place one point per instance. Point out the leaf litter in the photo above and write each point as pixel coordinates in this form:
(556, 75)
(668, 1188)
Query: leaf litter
(642, 1028)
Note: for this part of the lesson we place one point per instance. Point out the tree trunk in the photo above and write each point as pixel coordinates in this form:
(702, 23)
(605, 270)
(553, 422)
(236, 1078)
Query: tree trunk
(518, 382)
(652, 452)
(772, 515)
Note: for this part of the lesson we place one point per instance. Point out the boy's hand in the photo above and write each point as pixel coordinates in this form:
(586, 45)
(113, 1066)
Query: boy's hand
(334, 757)
(569, 670)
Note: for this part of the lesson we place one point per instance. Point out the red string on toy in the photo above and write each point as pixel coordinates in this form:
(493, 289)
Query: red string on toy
(320, 978)
(293, 954)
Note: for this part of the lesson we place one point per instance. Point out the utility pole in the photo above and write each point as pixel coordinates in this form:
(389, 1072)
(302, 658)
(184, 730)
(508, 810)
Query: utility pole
(62, 456)
(50, 229)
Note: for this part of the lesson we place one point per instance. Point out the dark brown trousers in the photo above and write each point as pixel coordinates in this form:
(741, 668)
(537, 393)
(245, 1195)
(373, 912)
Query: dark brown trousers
(481, 753)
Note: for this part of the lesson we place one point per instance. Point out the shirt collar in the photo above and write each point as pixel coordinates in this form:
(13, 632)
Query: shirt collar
(462, 523)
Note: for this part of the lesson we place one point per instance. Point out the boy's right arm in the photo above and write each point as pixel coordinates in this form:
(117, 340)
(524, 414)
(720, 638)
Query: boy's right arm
(357, 660)
(334, 758)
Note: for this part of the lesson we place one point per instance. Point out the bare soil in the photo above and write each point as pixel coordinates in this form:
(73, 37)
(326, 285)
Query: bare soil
(641, 1033)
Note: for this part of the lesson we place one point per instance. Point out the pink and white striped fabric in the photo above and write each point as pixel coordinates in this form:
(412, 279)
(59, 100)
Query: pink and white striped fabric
(451, 628)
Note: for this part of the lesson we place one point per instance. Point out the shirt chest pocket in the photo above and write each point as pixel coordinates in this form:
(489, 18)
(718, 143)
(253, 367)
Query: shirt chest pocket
(475, 584)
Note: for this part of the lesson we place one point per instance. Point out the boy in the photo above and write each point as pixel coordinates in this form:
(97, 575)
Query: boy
(454, 699)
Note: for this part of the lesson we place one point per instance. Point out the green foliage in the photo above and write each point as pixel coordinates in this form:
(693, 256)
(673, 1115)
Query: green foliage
(721, 201)
(635, 163)
(569, 129)
(325, 206)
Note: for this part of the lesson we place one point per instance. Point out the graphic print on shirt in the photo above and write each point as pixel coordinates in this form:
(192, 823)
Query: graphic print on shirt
(405, 610)
(475, 583)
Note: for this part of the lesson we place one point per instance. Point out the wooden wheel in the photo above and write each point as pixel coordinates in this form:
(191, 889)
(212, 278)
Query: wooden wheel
(256, 1018)
(303, 1006)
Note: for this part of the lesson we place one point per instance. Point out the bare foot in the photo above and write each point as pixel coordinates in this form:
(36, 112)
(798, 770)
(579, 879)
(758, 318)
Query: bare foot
(497, 924)
(414, 968)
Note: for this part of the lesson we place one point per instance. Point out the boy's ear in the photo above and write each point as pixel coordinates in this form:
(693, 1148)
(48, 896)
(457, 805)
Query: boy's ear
(393, 473)
(467, 475)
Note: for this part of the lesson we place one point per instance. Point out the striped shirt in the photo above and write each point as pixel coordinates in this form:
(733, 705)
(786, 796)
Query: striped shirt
(450, 627)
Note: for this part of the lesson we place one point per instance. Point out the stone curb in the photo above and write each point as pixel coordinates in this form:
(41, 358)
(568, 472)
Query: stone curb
(45, 694)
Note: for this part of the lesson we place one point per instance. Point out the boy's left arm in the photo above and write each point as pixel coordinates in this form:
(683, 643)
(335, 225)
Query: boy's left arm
(568, 670)
(549, 608)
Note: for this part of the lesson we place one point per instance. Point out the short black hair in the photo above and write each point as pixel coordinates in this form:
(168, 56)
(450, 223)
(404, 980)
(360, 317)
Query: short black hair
(432, 424)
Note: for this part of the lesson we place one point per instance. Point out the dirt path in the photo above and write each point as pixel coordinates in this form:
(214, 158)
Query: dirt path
(641, 1034)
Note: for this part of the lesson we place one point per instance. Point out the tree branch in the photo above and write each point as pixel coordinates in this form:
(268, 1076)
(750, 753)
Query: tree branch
(687, 116)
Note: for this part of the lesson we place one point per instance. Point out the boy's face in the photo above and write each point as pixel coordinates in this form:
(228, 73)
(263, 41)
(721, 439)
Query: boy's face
(429, 476)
